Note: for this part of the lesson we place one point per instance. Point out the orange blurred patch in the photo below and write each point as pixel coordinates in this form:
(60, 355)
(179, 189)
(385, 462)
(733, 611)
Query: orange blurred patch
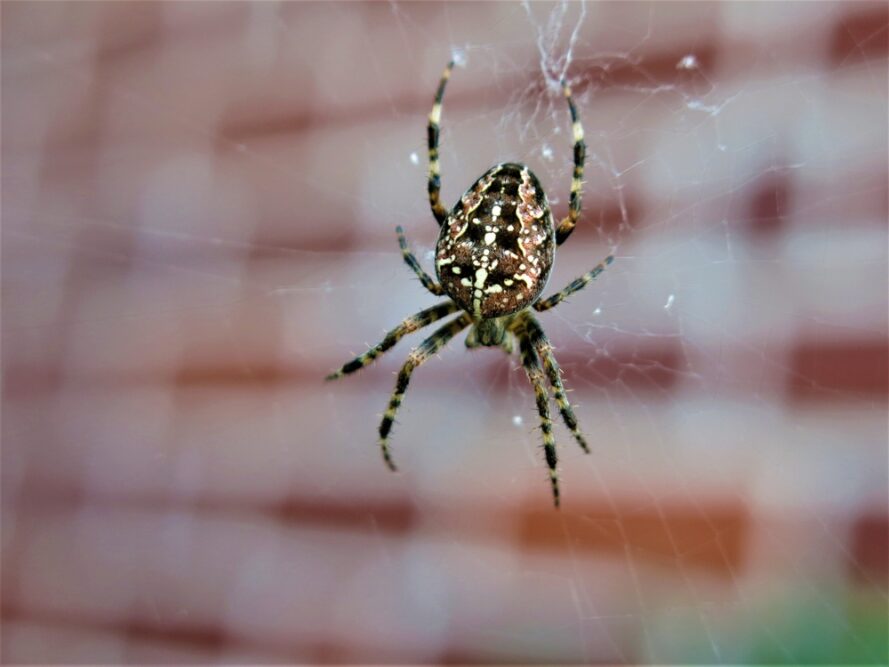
(711, 537)
(819, 369)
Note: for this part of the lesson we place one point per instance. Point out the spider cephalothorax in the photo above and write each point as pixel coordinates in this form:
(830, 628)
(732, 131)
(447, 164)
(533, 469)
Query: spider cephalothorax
(493, 258)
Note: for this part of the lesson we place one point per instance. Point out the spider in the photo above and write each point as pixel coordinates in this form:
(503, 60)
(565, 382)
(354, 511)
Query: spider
(493, 258)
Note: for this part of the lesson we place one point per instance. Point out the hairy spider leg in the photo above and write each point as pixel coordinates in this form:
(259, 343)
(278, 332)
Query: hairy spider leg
(566, 226)
(412, 262)
(545, 351)
(531, 363)
(432, 138)
(409, 325)
(575, 285)
(417, 356)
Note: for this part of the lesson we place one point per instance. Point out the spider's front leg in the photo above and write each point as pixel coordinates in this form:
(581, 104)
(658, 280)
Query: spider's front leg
(409, 325)
(417, 356)
(544, 350)
(531, 363)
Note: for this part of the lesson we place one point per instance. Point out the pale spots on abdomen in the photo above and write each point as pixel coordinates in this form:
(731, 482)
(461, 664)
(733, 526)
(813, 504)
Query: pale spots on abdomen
(501, 234)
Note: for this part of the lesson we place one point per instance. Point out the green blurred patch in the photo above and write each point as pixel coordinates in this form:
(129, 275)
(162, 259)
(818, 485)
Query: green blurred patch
(812, 625)
(826, 629)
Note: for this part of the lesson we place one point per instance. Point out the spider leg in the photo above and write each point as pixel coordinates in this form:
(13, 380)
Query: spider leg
(417, 356)
(574, 286)
(531, 362)
(545, 350)
(432, 138)
(566, 226)
(412, 262)
(413, 323)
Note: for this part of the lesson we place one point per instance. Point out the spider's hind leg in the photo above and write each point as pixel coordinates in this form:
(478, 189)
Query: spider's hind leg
(432, 132)
(412, 262)
(566, 226)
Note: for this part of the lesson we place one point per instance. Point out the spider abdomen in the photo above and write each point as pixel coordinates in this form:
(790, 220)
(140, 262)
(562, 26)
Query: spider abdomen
(495, 251)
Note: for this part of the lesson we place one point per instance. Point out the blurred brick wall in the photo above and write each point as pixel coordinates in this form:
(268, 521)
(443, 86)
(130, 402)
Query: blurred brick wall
(197, 224)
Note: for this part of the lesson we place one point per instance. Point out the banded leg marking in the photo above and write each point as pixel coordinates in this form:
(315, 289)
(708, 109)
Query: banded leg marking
(412, 262)
(432, 139)
(531, 363)
(574, 286)
(545, 350)
(417, 356)
(566, 226)
(409, 325)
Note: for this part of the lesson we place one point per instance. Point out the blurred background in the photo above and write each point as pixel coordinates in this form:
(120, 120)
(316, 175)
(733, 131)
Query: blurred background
(198, 213)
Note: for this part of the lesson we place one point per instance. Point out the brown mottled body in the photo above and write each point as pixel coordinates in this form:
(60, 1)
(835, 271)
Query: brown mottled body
(496, 248)
(493, 259)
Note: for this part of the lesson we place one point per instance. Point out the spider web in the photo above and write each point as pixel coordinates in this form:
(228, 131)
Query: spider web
(180, 486)
(700, 358)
